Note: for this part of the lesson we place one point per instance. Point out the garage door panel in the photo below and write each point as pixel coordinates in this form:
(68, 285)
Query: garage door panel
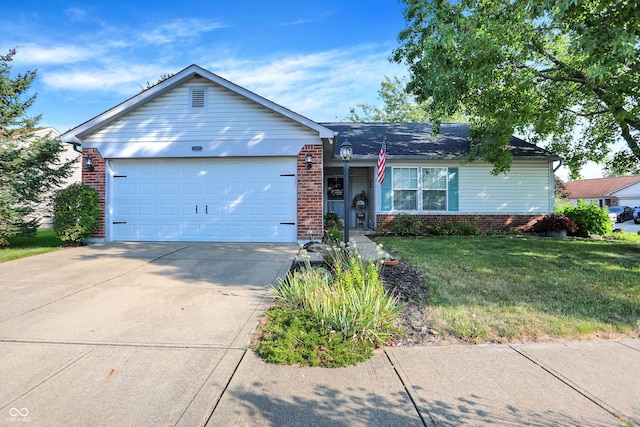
(241, 200)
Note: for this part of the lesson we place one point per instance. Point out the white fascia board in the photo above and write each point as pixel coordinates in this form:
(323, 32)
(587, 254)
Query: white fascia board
(76, 134)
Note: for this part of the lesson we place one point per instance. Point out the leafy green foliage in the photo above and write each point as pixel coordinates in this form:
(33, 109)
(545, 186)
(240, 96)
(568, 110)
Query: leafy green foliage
(399, 106)
(405, 224)
(333, 227)
(332, 220)
(590, 218)
(452, 228)
(333, 236)
(295, 336)
(76, 213)
(30, 166)
(543, 69)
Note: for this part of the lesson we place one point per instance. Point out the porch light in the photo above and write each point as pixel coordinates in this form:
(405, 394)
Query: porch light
(309, 160)
(88, 162)
(346, 151)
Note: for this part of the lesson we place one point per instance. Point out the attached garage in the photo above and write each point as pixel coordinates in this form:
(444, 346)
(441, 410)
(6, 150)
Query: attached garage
(216, 200)
(198, 158)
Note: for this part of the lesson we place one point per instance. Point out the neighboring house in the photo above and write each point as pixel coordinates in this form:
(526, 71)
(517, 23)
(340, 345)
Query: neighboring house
(616, 191)
(198, 158)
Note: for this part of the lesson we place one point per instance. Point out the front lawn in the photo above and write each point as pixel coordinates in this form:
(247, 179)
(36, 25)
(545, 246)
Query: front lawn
(44, 241)
(511, 289)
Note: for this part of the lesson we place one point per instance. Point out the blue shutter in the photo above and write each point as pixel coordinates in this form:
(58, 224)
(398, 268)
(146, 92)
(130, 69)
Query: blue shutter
(386, 202)
(452, 197)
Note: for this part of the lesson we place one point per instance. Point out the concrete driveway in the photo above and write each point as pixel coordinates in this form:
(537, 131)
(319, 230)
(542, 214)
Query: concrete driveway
(129, 333)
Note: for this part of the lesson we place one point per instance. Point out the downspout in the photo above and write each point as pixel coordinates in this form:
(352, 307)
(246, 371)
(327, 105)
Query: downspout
(557, 167)
(75, 147)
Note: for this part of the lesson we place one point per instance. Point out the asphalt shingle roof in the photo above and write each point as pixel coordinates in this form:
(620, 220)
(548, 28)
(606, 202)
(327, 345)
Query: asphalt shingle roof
(414, 140)
(599, 187)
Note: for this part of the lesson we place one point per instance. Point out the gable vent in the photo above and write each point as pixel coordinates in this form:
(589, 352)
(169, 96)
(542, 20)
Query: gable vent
(197, 97)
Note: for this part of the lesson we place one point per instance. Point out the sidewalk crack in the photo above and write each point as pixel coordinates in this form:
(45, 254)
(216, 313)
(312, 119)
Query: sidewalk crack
(406, 389)
(573, 386)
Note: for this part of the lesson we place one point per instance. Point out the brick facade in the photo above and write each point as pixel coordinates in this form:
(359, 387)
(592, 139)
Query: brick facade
(310, 194)
(483, 222)
(97, 180)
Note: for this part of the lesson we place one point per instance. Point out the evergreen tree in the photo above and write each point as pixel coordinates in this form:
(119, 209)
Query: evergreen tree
(30, 165)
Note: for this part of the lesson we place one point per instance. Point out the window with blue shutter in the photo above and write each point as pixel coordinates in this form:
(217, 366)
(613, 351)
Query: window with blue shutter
(436, 189)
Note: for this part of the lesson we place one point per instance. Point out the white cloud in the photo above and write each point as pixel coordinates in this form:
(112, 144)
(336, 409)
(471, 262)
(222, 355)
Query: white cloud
(125, 80)
(321, 85)
(61, 54)
(179, 29)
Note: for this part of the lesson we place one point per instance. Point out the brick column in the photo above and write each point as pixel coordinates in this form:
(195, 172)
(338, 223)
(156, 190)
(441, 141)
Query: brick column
(97, 180)
(310, 194)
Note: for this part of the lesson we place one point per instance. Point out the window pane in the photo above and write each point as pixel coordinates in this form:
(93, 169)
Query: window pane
(405, 178)
(434, 200)
(434, 178)
(405, 200)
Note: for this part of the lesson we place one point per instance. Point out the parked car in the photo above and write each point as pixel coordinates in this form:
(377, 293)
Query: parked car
(620, 213)
(636, 215)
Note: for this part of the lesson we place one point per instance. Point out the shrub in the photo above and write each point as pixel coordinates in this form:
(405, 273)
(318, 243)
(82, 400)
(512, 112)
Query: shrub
(294, 336)
(332, 220)
(555, 222)
(333, 236)
(590, 219)
(76, 210)
(455, 228)
(406, 225)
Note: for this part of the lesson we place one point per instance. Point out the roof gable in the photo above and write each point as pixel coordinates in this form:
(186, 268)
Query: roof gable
(599, 187)
(415, 140)
(76, 134)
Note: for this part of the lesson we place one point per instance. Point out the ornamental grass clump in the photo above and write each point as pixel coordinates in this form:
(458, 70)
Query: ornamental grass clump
(555, 222)
(349, 298)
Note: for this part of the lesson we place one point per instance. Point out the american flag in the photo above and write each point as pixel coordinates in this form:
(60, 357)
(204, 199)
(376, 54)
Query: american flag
(382, 159)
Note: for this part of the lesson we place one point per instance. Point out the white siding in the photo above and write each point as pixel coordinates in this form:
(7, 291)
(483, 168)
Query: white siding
(527, 188)
(629, 196)
(229, 125)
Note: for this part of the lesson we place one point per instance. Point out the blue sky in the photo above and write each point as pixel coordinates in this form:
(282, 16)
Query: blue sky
(317, 58)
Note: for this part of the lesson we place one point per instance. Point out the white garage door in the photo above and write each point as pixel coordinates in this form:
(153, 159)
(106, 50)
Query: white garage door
(214, 200)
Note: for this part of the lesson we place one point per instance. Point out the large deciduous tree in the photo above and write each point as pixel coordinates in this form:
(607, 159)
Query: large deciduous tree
(565, 73)
(30, 165)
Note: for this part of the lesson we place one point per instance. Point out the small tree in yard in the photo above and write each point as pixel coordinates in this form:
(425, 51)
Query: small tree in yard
(76, 213)
(30, 166)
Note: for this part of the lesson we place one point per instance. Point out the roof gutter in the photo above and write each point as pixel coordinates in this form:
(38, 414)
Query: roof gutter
(557, 167)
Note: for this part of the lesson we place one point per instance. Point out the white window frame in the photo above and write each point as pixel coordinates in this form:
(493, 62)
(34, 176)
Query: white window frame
(420, 188)
(401, 188)
(445, 189)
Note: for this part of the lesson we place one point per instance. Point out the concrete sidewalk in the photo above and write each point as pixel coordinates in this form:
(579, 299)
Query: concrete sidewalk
(559, 384)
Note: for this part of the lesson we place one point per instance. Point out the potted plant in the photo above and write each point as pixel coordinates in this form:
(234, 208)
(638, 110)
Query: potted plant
(555, 225)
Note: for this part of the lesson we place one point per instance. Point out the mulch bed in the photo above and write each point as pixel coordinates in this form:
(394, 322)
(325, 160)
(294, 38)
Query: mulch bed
(408, 284)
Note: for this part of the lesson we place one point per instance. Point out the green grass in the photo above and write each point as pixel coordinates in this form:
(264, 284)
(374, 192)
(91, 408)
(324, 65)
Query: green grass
(44, 241)
(510, 289)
